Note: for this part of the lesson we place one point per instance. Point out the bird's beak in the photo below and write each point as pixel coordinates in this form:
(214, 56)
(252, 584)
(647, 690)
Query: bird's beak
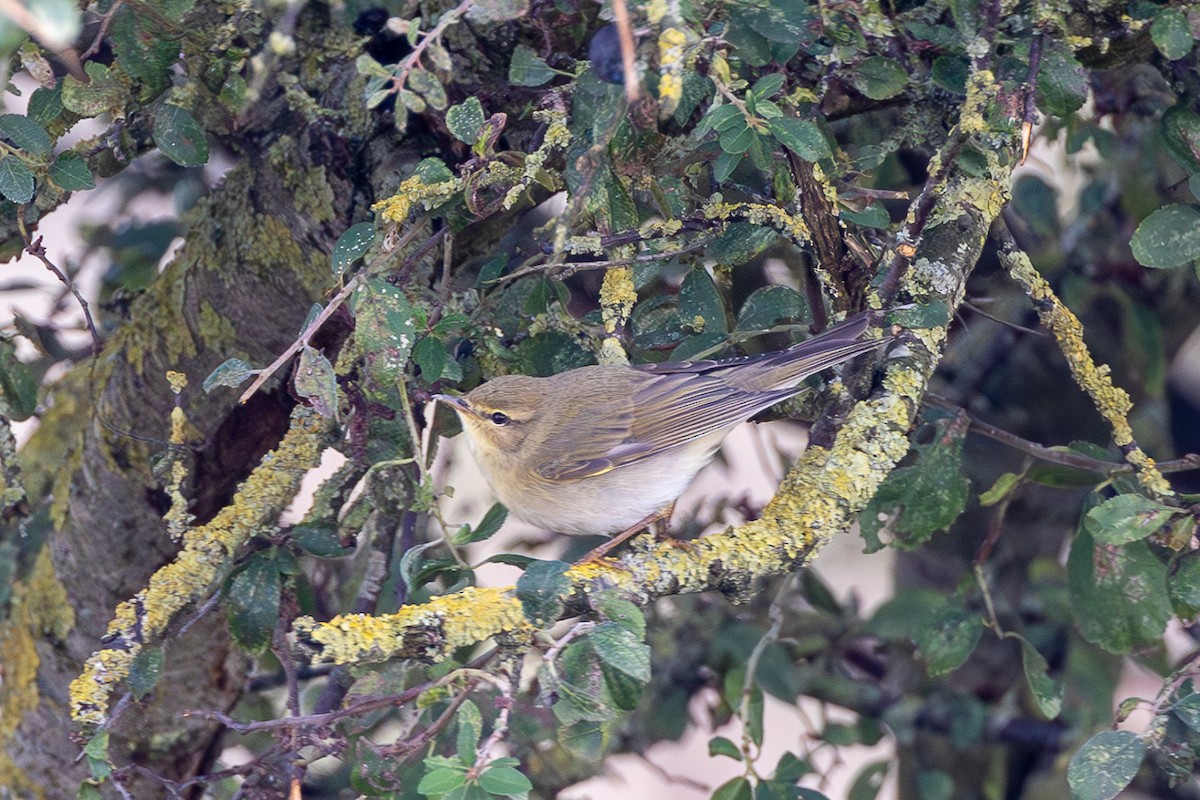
(459, 404)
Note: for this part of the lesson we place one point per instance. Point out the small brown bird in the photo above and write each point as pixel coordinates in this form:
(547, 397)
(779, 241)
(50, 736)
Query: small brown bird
(608, 449)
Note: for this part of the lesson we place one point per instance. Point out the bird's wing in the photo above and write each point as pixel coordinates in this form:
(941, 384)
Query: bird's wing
(665, 412)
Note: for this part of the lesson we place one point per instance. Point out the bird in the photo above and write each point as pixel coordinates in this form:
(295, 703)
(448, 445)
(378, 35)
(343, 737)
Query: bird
(607, 449)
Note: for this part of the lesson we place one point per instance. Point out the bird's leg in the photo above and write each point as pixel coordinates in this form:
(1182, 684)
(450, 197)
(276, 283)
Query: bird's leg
(662, 515)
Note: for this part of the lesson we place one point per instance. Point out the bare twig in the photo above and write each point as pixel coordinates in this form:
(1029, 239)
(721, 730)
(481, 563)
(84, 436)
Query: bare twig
(105, 21)
(35, 248)
(302, 341)
(565, 270)
(411, 60)
(1065, 458)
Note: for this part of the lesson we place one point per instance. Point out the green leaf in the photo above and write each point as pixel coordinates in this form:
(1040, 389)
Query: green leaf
(25, 134)
(767, 85)
(470, 724)
(1000, 489)
(802, 136)
(252, 599)
(1183, 586)
(1126, 518)
(465, 120)
(619, 648)
(316, 381)
(504, 781)
(1188, 710)
(1118, 593)
(950, 73)
(1047, 692)
(142, 50)
(1168, 238)
(468, 791)
(542, 589)
(718, 118)
(89, 791)
(879, 78)
(16, 181)
(487, 526)
(96, 752)
(179, 136)
(431, 358)
(352, 245)
(320, 539)
(1062, 82)
(105, 90)
(724, 165)
(948, 638)
(441, 780)
(868, 782)
(1105, 765)
(791, 768)
(45, 105)
(1171, 34)
(780, 22)
(873, 216)
(1181, 134)
(619, 611)
(917, 501)
(720, 746)
(18, 387)
(700, 304)
(527, 68)
(550, 353)
(233, 372)
(769, 306)
(145, 671)
(385, 328)
(735, 789)
(70, 172)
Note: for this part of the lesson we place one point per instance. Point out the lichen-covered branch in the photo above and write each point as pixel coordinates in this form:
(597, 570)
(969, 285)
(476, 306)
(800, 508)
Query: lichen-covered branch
(207, 552)
(1111, 401)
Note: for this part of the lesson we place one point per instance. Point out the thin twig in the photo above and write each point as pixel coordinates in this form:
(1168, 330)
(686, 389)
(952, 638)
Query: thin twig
(402, 749)
(410, 61)
(105, 21)
(565, 270)
(301, 341)
(505, 703)
(35, 248)
(974, 307)
(1065, 458)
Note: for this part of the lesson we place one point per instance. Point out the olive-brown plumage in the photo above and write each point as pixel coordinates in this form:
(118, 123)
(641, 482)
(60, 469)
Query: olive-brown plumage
(598, 449)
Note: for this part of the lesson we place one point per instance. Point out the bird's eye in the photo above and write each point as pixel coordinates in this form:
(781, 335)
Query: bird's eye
(499, 418)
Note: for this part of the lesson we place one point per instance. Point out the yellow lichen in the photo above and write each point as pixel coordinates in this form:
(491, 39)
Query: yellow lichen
(413, 191)
(206, 552)
(670, 59)
(1110, 400)
(617, 297)
(762, 214)
(557, 137)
